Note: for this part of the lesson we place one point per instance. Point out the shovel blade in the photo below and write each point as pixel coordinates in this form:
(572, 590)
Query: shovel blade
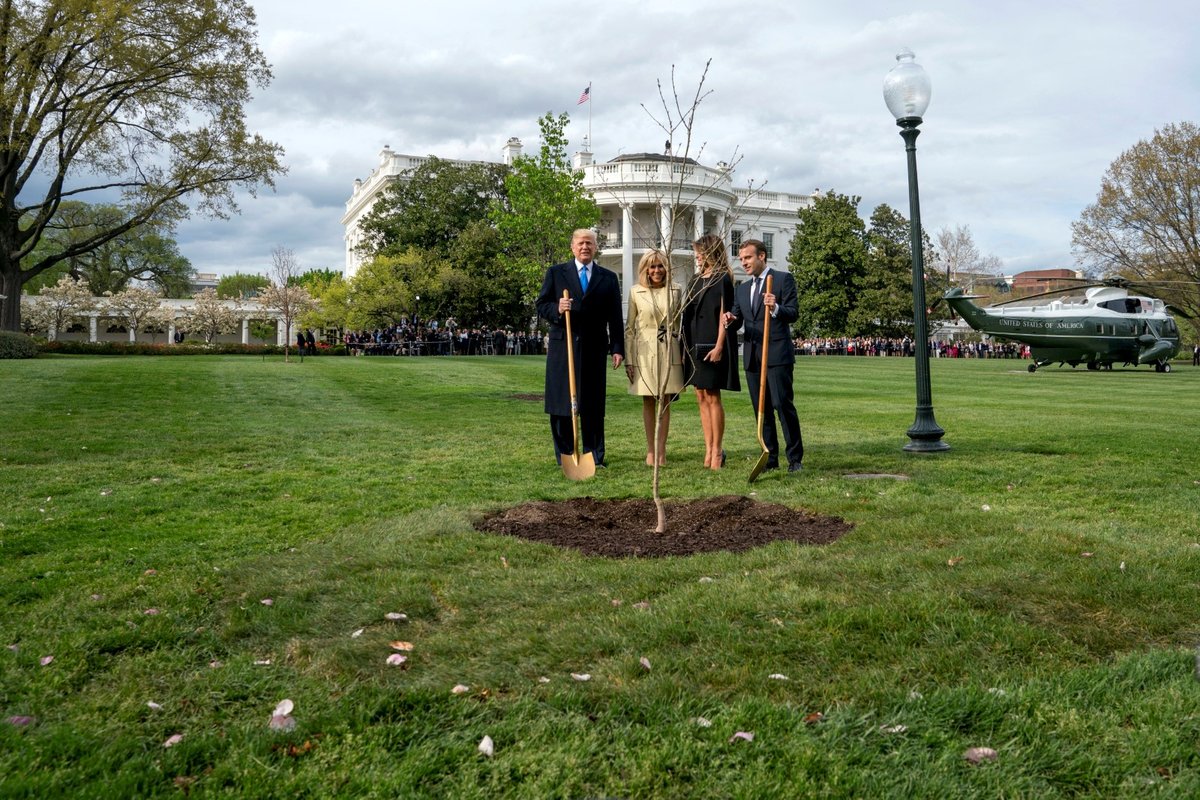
(759, 467)
(579, 466)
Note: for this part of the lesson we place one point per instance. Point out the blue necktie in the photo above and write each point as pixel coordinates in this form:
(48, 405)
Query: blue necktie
(583, 280)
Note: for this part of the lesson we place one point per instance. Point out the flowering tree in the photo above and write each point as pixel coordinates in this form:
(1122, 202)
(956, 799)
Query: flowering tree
(139, 309)
(284, 294)
(209, 316)
(64, 303)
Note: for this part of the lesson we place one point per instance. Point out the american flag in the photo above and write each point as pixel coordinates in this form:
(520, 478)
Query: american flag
(585, 96)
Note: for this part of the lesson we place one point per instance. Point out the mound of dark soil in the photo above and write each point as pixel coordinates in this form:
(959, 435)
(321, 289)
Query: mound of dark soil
(619, 528)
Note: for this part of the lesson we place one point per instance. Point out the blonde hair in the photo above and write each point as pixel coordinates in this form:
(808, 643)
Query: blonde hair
(651, 258)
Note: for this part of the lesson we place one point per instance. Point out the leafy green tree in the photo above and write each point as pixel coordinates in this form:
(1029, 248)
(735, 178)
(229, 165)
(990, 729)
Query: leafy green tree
(546, 202)
(146, 99)
(316, 279)
(146, 254)
(332, 296)
(884, 306)
(1145, 223)
(430, 207)
(828, 260)
(241, 285)
(385, 289)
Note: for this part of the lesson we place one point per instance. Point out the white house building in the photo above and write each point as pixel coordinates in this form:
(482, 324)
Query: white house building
(646, 201)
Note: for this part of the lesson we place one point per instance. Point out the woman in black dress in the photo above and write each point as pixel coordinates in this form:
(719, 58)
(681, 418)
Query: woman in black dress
(712, 350)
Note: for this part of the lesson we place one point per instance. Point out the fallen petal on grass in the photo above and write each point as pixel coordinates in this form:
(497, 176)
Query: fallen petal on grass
(893, 728)
(702, 722)
(977, 755)
(642, 606)
(706, 579)
(460, 688)
(777, 676)
(487, 747)
(645, 662)
(150, 572)
(405, 646)
(745, 736)
(46, 661)
(954, 562)
(1086, 555)
(357, 633)
(153, 706)
(281, 722)
(266, 601)
(151, 612)
(173, 740)
(395, 616)
(215, 664)
(581, 676)
(262, 662)
(543, 679)
(985, 507)
(395, 659)
(284, 708)
(20, 721)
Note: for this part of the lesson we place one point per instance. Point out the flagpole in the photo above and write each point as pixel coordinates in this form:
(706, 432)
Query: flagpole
(591, 146)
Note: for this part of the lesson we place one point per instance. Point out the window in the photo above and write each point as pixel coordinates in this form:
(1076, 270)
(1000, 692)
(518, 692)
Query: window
(735, 242)
(769, 241)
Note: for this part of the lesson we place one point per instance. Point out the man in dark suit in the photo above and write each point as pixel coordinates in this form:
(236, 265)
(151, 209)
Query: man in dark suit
(595, 306)
(751, 304)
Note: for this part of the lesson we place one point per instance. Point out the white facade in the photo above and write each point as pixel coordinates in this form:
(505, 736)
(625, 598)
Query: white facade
(646, 202)
(246, 310)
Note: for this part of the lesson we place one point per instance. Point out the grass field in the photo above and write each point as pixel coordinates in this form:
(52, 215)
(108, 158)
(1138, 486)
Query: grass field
(1034, 591)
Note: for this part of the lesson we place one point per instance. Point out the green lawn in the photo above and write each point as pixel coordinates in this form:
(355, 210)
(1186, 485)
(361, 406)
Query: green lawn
(342, 489)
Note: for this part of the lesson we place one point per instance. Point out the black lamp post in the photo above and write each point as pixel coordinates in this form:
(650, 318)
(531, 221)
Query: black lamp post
(906, 91)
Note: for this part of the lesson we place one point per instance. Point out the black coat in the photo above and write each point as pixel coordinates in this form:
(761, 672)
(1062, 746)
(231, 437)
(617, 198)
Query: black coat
(598, 330)
(780, 349)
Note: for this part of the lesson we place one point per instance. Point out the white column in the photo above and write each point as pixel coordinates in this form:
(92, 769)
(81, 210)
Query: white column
(171, 333)
(626, 252)
(665, 227)
(132, 334)
(92, 319)
(697, 223)
(724, 234)
(280, 333)
(245, 330)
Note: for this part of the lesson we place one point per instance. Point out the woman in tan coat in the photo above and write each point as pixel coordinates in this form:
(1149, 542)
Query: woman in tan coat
(654, 358)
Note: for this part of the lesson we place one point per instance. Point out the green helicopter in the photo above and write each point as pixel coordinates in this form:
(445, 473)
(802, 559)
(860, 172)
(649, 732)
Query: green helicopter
(1098, 325)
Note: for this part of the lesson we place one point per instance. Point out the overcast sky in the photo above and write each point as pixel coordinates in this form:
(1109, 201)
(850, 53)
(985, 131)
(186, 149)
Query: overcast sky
(1031, 102)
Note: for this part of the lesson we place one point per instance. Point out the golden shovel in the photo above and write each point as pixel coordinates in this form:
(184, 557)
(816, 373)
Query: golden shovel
(576, 467)
(762, 390)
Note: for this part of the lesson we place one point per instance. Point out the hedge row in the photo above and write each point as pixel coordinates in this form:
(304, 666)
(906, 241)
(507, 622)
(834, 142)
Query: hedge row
(17, 345)
(185, 349)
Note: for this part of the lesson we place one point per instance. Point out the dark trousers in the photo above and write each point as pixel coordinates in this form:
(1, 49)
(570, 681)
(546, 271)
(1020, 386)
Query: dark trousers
(778, 401)
(591, 436)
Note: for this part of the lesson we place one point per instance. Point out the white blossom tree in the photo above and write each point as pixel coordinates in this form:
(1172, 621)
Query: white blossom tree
(63, 304)
(209, 316)
(284, 295)
(139, 309)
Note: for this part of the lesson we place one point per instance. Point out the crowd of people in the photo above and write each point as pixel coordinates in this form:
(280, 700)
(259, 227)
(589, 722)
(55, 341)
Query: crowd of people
(904, 347)
(434, 338)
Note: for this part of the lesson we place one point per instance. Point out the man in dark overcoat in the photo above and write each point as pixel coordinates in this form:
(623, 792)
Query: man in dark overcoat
(595, 305)
(751, 304)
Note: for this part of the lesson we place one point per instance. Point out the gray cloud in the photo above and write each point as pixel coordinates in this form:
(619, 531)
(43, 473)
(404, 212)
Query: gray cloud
(1031, 102)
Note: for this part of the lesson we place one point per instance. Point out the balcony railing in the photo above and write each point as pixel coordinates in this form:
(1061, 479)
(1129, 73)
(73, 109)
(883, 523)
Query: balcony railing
(643, 243)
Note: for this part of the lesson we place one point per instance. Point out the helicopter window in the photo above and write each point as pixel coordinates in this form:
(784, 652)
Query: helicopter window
(1169, 325)
(1124, 305)
(1099, 329)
